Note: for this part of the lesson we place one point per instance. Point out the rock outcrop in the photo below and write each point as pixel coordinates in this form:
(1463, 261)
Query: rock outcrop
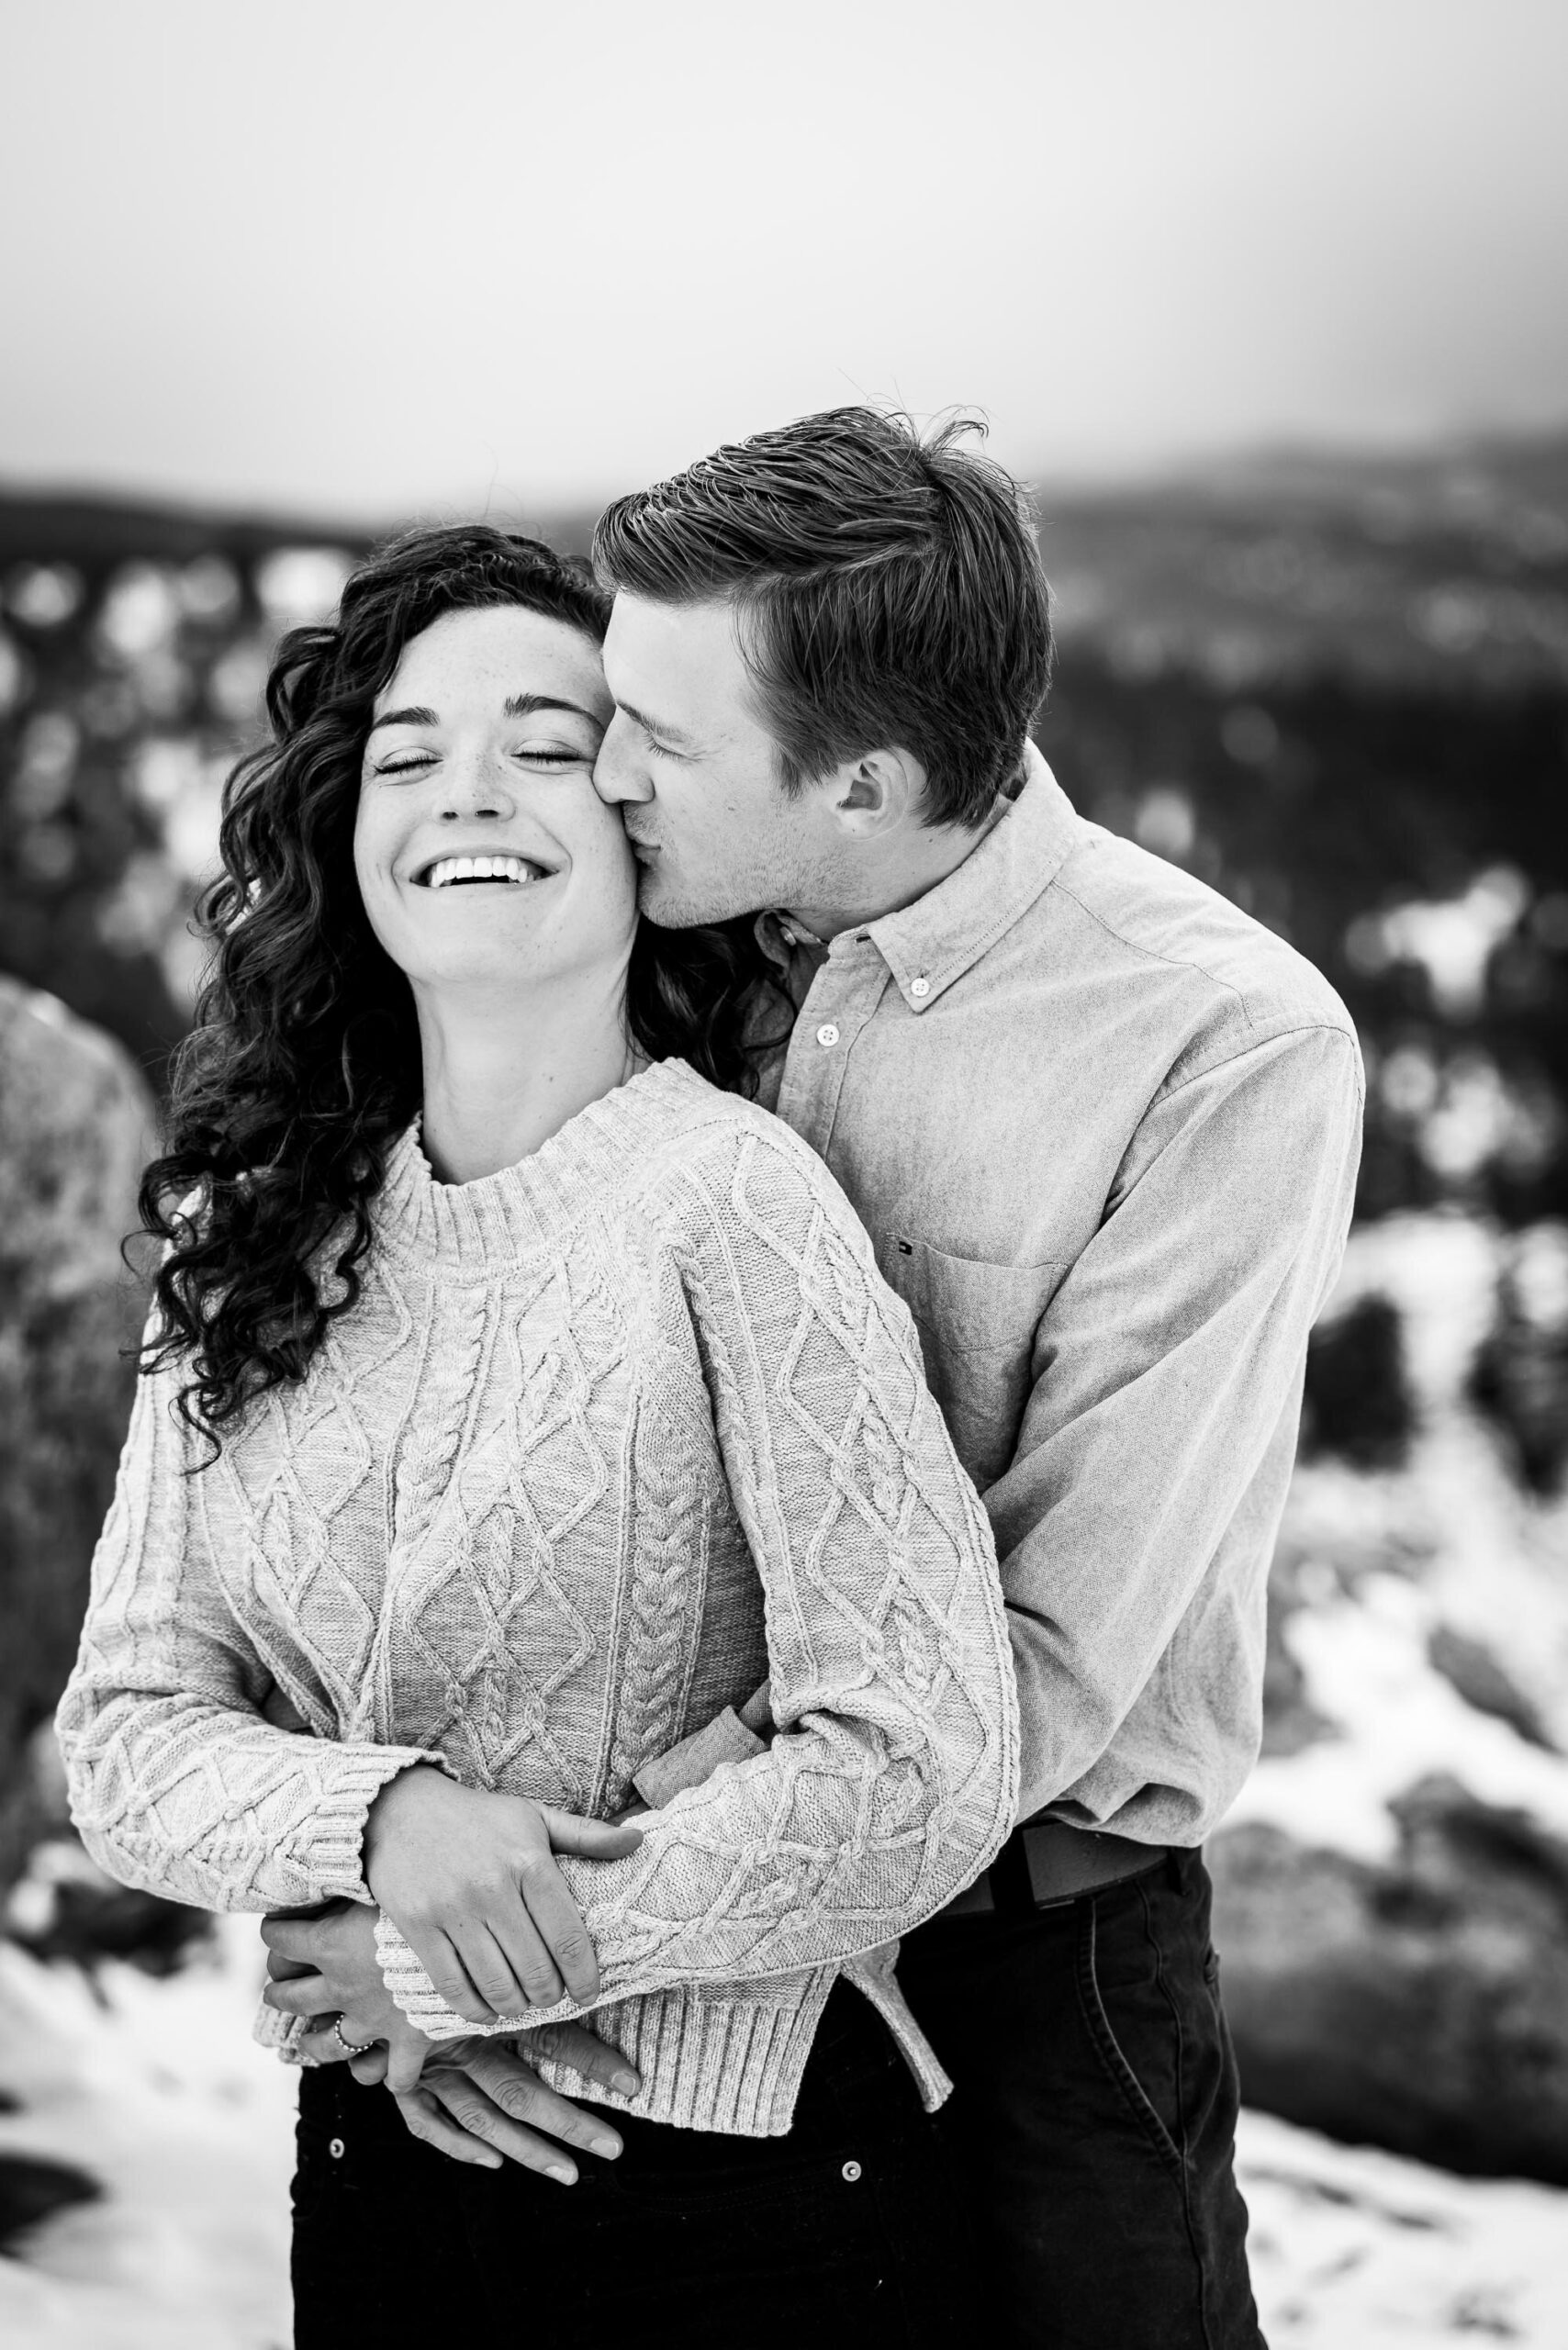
(76, 1125)
(1391, 1890)
(1419, 2004)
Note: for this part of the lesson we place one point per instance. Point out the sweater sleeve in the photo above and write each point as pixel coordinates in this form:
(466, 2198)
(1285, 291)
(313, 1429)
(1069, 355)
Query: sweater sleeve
(893, 1776)
(177, 1784)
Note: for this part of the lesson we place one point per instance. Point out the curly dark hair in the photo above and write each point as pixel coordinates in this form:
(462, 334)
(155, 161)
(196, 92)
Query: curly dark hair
(304, 1062)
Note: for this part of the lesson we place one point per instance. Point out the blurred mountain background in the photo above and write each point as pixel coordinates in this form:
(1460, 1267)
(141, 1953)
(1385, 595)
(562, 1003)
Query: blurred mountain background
(1337, 690)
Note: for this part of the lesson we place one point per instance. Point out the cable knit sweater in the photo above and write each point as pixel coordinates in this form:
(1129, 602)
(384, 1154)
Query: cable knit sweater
(611, 1436)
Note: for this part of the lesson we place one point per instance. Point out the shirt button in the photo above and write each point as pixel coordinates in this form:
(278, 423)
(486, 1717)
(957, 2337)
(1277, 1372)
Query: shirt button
(851, 2172)
(827, 1035)
(337, 2150)
(920, 986)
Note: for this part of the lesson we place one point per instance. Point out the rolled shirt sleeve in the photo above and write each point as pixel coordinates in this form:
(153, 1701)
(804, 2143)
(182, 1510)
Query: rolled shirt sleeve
(1135, 1523)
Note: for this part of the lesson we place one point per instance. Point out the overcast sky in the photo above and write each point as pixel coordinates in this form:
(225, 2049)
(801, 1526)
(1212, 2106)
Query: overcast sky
(380, 255)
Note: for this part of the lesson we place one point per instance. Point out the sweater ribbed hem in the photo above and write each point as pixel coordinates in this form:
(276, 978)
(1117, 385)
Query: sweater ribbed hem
(721, 2056)
(728, 2058)
(473, 1229)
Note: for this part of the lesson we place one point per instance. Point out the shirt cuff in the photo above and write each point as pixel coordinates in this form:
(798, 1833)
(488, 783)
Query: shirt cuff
(725, 1739)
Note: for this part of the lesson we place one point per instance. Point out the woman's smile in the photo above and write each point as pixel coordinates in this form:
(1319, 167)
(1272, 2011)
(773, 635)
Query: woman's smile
(463, 871)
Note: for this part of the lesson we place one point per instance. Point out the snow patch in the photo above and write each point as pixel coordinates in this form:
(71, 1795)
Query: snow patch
(1352, 2249)
(152, 2088)
(1393, 1720)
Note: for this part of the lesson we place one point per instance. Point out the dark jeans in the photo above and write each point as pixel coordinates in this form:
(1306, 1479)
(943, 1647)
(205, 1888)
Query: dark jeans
(1095, 2116)
(849, 2232)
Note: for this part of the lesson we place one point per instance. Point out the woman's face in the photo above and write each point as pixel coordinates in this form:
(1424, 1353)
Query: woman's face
(485, 858)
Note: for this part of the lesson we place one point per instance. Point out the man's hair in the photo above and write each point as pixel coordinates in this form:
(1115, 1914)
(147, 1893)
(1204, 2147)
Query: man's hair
(887, 589)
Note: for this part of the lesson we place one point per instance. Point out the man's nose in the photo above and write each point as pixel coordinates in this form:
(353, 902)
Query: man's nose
(618, 774)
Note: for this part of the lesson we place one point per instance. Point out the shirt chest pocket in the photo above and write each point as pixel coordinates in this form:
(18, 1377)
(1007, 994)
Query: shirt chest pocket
(976, 1323)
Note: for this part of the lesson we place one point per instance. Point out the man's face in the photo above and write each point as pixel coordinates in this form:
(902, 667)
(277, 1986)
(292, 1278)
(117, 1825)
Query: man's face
(696, 773)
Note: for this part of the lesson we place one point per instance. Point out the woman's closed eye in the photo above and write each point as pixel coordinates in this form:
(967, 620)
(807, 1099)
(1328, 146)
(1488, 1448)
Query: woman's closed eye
(552, 756)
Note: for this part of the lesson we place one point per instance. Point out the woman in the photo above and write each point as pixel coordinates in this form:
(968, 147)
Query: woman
(516, 1403)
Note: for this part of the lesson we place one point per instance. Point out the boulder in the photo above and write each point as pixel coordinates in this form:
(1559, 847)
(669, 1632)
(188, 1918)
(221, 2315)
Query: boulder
(1419, 2004)
(76, 1127)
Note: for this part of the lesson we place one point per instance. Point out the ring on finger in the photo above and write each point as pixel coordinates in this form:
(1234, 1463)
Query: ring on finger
(353, 2047)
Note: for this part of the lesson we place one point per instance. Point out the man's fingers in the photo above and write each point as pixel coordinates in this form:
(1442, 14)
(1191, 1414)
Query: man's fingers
(519, 2093)
(478, 2115)
(406, 2062)
(432, 2122)
(560, 1922)
(574, 2045)
(369, 2066)
(596, 1840)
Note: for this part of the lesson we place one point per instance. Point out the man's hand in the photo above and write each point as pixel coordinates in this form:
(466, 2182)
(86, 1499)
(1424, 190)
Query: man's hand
(470, 1881)
(480, 2100)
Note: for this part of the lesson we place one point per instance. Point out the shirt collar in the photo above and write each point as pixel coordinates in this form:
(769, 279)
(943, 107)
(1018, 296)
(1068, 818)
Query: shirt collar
(935, 941)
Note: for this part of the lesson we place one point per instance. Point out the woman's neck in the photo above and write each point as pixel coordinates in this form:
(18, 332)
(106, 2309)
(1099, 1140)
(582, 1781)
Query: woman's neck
(498, 1081)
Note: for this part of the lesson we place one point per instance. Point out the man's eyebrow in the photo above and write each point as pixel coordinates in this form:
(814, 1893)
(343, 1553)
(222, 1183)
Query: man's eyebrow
(515, 706)
(652, 726)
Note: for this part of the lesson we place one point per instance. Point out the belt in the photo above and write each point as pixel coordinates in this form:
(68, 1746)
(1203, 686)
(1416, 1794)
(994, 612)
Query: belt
(1045, 1863)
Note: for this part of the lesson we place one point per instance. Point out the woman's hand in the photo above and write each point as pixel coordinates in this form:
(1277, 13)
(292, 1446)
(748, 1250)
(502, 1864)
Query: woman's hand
(325, 1968)
(470, 1881)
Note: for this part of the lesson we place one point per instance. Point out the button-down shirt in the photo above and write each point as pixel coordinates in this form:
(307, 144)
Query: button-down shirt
(1103, 1130)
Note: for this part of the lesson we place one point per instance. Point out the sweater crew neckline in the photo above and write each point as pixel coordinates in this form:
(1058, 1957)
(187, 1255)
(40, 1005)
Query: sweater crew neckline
(475, 1227)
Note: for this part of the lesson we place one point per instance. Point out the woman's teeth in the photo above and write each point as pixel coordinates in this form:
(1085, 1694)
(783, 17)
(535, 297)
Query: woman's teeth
(449, 870)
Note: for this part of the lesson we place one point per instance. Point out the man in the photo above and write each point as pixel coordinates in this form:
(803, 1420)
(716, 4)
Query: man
(1103, 1130)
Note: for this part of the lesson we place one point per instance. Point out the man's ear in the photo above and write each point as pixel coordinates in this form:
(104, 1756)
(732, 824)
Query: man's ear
(878, 793)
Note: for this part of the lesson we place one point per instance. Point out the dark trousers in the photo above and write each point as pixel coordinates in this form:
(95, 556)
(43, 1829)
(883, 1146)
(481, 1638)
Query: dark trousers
(1094, 2120)
(849, 2232)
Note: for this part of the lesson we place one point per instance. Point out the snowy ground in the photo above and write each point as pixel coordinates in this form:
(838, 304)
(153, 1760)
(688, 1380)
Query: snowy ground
(156, 2089)
(1356, 2250)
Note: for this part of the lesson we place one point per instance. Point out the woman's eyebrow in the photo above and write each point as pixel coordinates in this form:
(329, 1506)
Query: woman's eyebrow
(404, 717)
(524, 706)
(515, 706)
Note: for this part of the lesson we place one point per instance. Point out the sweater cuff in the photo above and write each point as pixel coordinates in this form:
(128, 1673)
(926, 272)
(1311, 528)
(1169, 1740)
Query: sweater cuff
(419, 2000)
(413, 1989)
(356, 1777)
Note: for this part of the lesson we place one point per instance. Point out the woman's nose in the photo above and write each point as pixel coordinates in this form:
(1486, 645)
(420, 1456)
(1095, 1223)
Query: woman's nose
(473, 788)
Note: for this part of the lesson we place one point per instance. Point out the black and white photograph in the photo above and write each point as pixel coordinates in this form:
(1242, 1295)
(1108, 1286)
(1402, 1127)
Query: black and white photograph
(784, 1176)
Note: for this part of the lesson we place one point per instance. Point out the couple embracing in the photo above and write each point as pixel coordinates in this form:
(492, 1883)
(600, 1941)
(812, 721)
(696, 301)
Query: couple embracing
(722, 1374)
